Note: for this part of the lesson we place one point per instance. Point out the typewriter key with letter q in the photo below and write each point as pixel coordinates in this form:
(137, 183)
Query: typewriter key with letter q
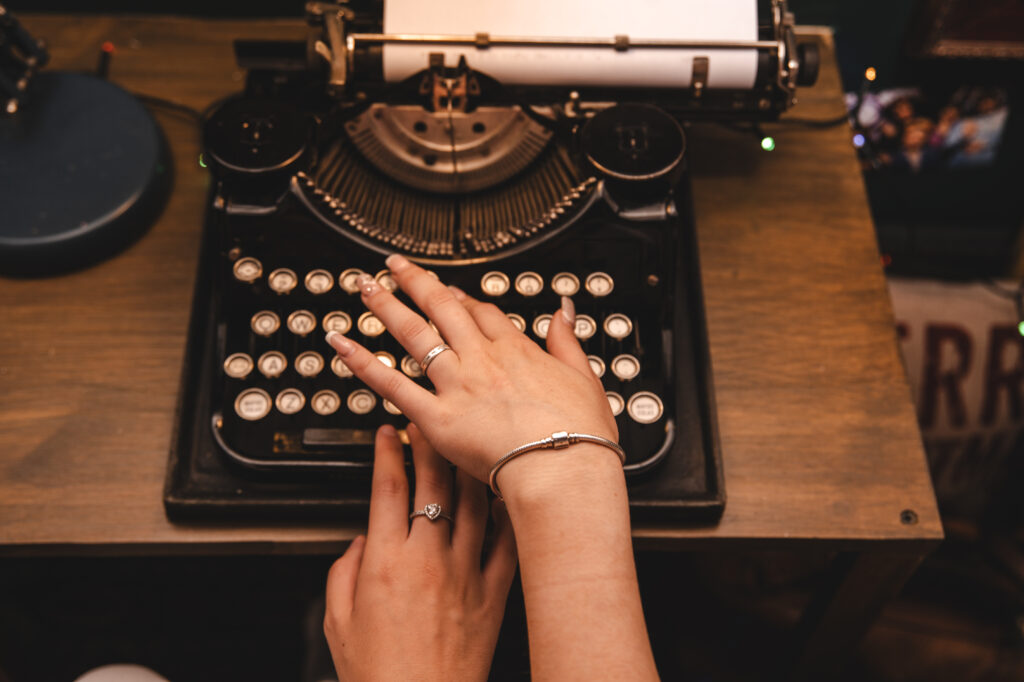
(265, 322)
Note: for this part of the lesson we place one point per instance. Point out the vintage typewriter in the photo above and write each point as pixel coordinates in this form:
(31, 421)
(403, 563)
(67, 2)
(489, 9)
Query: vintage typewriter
(522, 152)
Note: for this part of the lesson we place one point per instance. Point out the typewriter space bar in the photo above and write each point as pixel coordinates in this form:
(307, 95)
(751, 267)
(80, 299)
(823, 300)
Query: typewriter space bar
(340, 439)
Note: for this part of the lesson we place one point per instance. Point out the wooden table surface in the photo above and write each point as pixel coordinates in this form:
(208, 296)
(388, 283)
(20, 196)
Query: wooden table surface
(818, 433)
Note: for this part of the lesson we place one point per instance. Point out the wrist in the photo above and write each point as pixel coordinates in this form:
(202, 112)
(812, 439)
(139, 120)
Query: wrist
(564, 476)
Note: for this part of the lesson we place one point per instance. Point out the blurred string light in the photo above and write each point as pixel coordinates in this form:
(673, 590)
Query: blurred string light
(870, 73)
(768, 143)
(202, 161)
(858, 140)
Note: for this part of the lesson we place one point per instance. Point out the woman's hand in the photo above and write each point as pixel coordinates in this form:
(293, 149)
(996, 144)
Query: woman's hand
(497, 390)
(411, 601)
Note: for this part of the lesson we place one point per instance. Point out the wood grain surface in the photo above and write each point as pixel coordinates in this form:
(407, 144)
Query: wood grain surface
(818, 433)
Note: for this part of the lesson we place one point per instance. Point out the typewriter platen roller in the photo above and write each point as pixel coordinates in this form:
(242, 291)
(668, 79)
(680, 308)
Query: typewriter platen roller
(520, 165)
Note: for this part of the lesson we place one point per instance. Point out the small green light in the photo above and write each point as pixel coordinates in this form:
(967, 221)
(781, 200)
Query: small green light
(1020, 328)
(202, 161)
(768, 143)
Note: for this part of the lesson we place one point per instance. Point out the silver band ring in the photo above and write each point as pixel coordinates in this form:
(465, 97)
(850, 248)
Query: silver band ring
(433, 512)
(432, 354)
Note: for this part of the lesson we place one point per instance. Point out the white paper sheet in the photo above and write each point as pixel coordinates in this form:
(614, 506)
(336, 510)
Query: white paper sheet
(692, 20)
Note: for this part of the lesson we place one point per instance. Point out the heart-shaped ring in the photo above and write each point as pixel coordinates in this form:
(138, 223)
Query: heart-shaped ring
(433, 512)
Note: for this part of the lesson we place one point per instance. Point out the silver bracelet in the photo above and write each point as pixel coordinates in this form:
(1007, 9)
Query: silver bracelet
(557, 441)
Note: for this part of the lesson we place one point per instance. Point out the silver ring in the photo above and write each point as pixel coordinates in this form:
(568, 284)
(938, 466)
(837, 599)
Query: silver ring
(433, 512)
(432, 354)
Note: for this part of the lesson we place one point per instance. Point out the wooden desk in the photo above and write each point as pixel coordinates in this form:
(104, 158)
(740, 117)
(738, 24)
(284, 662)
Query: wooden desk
(818, 433)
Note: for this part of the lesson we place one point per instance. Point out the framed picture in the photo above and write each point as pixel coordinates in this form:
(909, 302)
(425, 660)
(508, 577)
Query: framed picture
(967, 28)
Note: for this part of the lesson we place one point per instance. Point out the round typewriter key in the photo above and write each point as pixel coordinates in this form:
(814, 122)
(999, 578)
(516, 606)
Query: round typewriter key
(645, 407)
(597, 365)
(585, 327)
(385, 279)
(347, 280)
(390, 406)
(565, 284)
(340, 368)
(529, 284)
(282, 280)
(361, 401)
(319, 281)
(618, 326)
(290, 401)
(271, 364)
(386, 358)
(411, 367)
(625, 367)
(247, 269)
(494, 283)
(309, 364)
(265, 322)
(615, 402)
(540, 326)
(301, 322)
(325, 402)
(238, 365)
(599, 284)
(517, 321)
(337, 321)
(253, 404)
(370, 325)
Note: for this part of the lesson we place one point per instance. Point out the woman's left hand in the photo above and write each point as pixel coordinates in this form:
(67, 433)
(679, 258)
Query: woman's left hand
(413, 600)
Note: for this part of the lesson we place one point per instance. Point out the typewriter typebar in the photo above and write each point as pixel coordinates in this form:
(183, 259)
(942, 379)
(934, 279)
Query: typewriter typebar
(516, 202)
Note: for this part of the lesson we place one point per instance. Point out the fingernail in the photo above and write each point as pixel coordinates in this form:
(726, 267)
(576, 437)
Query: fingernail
(568, 310)
(367, 284)
(339, 343)
(458, 293)
(388, 430)
(396, 262)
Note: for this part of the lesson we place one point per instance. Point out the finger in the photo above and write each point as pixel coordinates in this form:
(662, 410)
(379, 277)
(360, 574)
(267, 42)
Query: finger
(389, 490)
(341, 584)
(437, 302)
(408, 328)
(488, 317)
(562, 341)
(433, 486)
(412, 399)
(470, 519)
(500, 568)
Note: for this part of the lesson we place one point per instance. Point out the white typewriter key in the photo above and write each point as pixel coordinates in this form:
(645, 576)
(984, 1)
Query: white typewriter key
(540, 326)
(347, 280)
(517, 321)
(238, 365)
(599, 284)
(271, 364)
(494, 283)
(385, 279)
(625, 367)
(565, 284)
(282, 280)
(618, 326)
(615, 402)
(411, 368)
(325, 402)
(253, 404)
(645, 407)
(529, 284)
(597, 365)
(370, 325)
(585, 327)
(390, 406)
(247, 269)
(319, 281)
(337, 321)
(290, 401)
(309, 364)
(265, 322)
(386, 359)
(361, 401)
(340, 368)
(301, 322)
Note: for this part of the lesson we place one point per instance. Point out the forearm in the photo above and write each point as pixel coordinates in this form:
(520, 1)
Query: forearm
(571, 519)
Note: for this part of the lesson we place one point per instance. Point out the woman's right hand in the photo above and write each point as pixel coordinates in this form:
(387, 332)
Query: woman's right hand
(496, 389)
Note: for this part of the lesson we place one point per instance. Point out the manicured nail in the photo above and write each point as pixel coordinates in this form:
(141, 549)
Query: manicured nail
(396, 262)
(388, 430)
(339, 343)
(367, 284)
(458, 293)
(568, 310)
